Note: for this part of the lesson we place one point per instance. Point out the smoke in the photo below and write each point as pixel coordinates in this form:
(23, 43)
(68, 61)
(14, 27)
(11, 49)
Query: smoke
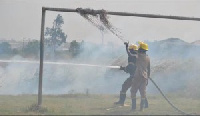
(15, 78)
(178, 76)
(22, 78)
(174, 67)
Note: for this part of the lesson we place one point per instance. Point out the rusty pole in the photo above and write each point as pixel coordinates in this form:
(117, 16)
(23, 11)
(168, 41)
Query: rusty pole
(41, 58)
(90, 11)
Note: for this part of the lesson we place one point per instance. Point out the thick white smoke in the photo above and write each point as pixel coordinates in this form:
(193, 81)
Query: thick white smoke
(174, 70)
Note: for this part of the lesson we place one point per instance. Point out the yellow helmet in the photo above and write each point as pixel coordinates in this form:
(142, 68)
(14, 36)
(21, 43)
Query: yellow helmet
(133, 46)
(140, 42)
(143, 46)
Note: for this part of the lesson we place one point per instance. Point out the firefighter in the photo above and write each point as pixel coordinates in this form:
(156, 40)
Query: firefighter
(140, 80)
(130, 68)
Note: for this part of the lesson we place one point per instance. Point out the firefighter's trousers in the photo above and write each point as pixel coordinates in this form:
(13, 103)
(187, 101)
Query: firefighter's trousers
(138, 83)
(126, 85)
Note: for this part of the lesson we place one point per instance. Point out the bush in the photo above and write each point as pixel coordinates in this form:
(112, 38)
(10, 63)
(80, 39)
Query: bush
(36, 108)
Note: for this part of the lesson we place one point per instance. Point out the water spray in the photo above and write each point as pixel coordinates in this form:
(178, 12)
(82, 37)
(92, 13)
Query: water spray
(59, 63)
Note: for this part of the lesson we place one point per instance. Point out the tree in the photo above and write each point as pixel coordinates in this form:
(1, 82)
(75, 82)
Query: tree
(5, 48)
(54, 36)
(76, 47)
(32, 47)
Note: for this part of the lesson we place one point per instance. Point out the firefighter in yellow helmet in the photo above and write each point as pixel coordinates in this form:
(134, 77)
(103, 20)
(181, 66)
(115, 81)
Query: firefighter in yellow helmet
(142, 73)
(130, 68)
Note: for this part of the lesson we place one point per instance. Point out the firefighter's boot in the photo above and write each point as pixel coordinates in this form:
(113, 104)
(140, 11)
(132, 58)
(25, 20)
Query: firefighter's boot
(142, 104)
(133, 104)
(121, 100)
(146, 104)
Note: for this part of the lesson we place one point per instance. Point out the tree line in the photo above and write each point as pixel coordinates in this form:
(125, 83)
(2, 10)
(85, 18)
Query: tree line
(54, 37)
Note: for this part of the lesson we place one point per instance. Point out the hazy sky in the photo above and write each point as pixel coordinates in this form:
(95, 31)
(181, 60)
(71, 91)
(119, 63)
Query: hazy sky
(22, 19)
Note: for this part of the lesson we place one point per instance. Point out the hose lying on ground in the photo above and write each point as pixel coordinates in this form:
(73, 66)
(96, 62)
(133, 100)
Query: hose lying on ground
(181, 111)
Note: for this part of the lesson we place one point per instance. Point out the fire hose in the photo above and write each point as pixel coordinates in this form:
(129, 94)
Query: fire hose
(169, 102)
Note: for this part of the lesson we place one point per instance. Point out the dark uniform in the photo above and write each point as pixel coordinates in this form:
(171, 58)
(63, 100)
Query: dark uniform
(130, 68)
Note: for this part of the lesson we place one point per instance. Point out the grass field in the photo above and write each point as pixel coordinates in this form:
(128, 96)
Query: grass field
(80, 104)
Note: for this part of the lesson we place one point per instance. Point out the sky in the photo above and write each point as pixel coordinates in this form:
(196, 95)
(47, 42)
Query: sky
(22, 19)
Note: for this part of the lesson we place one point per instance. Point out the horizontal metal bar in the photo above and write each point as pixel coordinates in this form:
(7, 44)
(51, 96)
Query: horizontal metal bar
(127, 14)
(153, 16)
(60, 9)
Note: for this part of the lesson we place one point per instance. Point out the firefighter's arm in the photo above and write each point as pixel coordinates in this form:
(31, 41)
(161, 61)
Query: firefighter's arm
(124, 69)
(126, 44)
(148, 68)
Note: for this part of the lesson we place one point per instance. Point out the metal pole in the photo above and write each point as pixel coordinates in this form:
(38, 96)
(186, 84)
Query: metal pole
(153, 16)
(125, 14)
(41, 57)
(60, 9)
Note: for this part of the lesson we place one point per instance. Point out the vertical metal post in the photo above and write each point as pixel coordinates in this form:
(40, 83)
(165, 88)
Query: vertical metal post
(41, 57)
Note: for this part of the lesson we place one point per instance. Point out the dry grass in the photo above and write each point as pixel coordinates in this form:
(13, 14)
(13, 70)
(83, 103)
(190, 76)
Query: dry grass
(79, 104)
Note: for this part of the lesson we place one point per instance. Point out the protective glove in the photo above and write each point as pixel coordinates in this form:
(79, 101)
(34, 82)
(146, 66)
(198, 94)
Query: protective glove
(122, 68)
(126, 43)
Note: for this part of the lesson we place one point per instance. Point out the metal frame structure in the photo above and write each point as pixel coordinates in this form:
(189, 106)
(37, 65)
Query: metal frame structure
(44, 9)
